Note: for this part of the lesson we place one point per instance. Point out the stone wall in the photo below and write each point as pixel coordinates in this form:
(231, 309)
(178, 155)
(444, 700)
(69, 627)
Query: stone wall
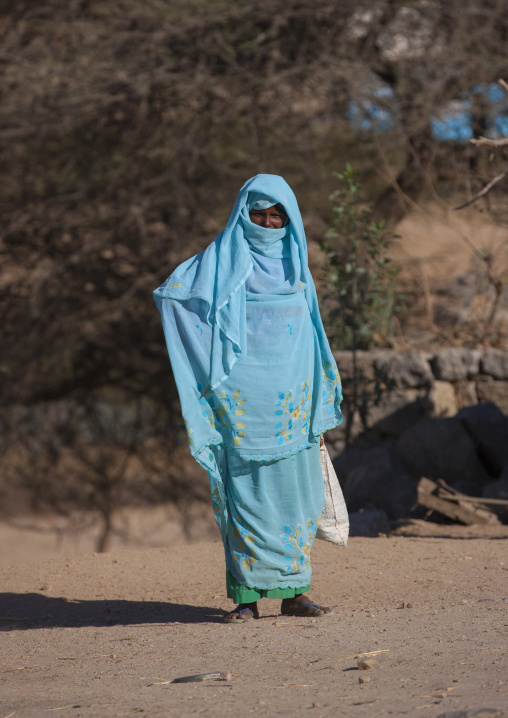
(440, 415)
(396, 389)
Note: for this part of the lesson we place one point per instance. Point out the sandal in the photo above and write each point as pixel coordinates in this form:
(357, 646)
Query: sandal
(303, 611)
(242, 619)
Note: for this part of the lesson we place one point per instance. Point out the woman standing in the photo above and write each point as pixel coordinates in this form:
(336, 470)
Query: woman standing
(258, 386)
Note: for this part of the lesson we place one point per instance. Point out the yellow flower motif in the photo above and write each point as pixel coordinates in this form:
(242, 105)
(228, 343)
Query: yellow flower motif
(292, 411)
(189, 432)
(219, 412)
(242, 543)
(217, 503)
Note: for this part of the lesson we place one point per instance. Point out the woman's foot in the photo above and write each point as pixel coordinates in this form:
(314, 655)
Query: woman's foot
(243, 612)
(303, 606)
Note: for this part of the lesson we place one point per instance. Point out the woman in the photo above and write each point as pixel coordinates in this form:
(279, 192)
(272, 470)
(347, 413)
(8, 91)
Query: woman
(258, 386)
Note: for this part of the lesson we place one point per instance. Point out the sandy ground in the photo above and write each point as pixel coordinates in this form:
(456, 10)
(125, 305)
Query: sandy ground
(34, 538)
(105, 634)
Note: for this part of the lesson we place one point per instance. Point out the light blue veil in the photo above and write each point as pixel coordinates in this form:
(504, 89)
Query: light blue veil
(203, 307)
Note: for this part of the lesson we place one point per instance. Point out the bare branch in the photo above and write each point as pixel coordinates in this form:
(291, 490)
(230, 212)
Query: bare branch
(484, 191)
(502, 142)
(503, 84)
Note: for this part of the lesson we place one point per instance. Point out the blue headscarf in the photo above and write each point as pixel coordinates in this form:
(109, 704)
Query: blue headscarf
(205, 317)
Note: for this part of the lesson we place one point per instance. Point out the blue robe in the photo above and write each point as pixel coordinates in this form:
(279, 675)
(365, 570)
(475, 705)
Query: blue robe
(258, 385)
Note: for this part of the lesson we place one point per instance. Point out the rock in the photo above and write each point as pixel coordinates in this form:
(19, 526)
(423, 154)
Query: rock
(455, 364)
(368, 523)
(396, 410)
(493, 390)
(497, 489)
(495, 363)
(404, 371)
(363, 679)
(335, 435)
(475, 713)
(364, 365)
(465, 392)
(440, 449)
(442, 399)
(488, 427)
(364, 664)
(375, 479)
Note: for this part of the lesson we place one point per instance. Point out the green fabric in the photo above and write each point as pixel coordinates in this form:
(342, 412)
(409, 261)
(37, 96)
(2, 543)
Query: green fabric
(243, 594)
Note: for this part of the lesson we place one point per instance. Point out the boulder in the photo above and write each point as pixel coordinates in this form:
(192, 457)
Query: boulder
(364, 365)
(488, 427)
(495, 363)
(396, 410)
(404, 371)
(466, 393)
(440, 449)
(368, 523)
(455, 364)
(497, 489)
(375, 479)
(493, 390)
(442, 399)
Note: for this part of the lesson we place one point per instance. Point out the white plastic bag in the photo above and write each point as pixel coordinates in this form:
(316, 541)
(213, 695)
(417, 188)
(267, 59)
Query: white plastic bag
(334, 523)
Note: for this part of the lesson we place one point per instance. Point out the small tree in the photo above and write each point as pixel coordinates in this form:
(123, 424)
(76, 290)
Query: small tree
(360, 301)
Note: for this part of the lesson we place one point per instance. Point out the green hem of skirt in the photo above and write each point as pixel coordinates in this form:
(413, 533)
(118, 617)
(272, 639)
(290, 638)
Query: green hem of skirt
(243, 594)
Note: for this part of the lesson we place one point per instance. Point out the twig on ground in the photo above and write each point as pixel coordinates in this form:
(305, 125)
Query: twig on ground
(372, 653)
(62, 708)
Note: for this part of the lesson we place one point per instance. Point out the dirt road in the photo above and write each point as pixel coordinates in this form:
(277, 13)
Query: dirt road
(104, 635)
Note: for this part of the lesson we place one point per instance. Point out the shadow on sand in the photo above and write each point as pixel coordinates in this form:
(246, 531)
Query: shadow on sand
(34, 610)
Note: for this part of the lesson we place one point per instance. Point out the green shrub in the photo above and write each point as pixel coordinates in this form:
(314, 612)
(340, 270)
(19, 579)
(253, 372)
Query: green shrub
(360, 299)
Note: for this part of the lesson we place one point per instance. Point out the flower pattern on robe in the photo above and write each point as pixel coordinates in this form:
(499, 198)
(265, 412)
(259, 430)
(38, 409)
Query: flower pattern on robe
(189, 432)
(217, 502)
(242, 540)
(224, 412)
(294, 414)
(331, 379)
(298, 543)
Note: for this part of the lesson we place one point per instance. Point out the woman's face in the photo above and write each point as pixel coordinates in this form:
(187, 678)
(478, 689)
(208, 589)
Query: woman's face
(271, 218)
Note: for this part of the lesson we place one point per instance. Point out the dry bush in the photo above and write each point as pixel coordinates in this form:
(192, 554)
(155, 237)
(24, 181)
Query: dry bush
(91, 456)
(127, 128)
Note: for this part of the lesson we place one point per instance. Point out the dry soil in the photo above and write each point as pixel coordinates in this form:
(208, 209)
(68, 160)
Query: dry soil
(106, 634)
